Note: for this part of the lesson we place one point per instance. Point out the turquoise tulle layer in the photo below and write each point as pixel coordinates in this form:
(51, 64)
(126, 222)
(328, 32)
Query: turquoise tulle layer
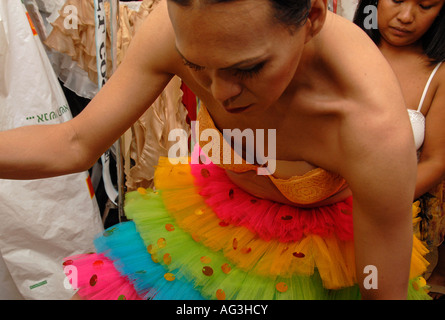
(123, 244)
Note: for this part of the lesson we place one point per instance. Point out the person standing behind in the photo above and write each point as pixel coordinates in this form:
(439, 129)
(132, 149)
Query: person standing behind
(411, 36)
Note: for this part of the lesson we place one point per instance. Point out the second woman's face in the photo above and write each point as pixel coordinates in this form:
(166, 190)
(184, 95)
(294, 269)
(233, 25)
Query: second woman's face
(404, 22)
(237, 51)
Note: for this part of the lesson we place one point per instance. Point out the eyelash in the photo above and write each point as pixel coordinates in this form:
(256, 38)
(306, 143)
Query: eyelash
(423, 7)
(242, 74)
(250, 73)
(192, 66)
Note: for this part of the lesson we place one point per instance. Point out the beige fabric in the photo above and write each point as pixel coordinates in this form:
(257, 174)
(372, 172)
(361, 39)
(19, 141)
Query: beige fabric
(78, 43)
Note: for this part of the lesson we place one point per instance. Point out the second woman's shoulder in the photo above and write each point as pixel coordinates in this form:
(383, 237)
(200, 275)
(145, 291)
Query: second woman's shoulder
(440, 74)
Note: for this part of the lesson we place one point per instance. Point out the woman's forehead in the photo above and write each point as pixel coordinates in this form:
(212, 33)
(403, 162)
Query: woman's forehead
(221, 22)
(239, 30)
(222, 13)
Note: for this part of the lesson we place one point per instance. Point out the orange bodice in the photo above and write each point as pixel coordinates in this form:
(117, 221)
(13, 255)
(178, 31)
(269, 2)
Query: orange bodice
(312, 187)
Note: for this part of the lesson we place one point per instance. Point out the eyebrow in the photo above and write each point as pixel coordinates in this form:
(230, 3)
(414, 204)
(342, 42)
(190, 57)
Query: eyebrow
(431, 4)
(234, 66)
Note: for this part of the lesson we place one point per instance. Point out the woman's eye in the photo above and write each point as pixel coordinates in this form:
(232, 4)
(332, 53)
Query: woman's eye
(192, 66)
(249, 72)
(425, 7)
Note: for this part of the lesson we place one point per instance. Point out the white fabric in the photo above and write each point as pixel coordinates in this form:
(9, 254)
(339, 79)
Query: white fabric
(42, 220)
(418, 124)
(416, 116)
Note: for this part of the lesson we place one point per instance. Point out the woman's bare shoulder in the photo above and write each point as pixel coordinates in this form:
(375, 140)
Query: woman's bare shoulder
(358, 65)
(154, 43)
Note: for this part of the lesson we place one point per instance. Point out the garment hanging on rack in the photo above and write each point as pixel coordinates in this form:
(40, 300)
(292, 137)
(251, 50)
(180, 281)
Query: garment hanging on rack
(148, 137)
(79, 42)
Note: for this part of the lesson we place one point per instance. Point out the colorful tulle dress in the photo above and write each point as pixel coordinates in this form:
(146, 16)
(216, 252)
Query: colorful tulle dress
(197, 235)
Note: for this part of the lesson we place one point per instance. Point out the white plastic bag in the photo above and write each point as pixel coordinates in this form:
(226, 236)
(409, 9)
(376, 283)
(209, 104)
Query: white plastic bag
(44, 220)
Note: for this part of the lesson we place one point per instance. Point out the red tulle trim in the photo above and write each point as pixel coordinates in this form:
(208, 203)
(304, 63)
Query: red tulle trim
(96, 278)
(269, 219)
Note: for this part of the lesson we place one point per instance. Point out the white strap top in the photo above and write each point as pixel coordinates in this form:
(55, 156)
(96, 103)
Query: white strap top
(417, 118)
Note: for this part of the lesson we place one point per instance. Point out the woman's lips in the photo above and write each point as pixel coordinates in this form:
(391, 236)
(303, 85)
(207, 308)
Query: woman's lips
(238, 109)
(400, 31)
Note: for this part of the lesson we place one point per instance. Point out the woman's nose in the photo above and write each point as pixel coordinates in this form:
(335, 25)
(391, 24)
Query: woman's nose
(224, 87)
(406, 14)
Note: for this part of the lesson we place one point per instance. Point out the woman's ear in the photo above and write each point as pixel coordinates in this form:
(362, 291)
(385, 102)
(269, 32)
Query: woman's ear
(316, 18)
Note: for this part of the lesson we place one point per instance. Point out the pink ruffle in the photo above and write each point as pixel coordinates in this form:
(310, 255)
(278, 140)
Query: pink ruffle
(267, 218)
(97, 278)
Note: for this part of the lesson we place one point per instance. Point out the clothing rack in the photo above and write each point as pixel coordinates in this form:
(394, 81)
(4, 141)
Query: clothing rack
(332, 5)
(115, 196)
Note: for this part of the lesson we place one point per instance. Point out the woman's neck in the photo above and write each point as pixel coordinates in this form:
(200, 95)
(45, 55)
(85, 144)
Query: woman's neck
(389, 50)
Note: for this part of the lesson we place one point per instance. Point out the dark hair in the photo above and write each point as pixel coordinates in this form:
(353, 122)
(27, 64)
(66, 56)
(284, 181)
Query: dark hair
(433, 41)
(288, 12)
